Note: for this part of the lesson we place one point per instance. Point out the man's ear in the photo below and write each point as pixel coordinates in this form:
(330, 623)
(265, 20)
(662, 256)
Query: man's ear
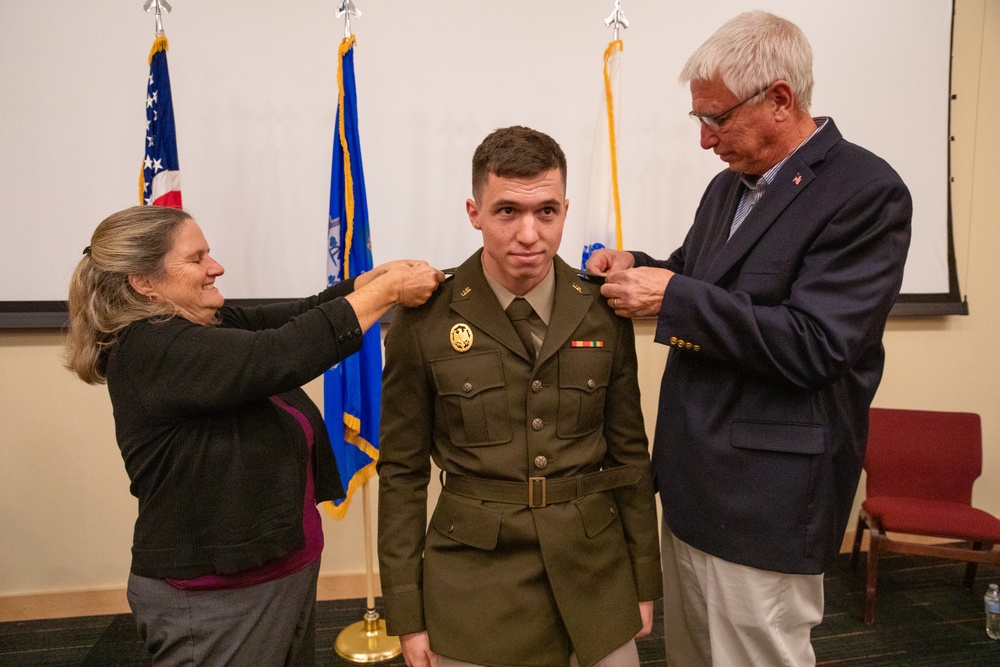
(784, 99)
(473, 211)
(142, 284)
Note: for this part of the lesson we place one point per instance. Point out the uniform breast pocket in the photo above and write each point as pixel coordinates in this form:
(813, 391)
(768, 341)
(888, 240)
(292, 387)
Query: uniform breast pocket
(584, 374)
(471, 393)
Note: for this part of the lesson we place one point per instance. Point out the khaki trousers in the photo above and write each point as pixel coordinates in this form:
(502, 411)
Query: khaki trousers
(728, 615)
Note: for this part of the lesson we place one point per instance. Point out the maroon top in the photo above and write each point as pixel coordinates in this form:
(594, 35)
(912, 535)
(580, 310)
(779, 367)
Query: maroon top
(292, 562)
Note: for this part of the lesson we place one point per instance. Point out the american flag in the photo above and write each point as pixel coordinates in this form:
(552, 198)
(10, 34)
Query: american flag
(160, 176)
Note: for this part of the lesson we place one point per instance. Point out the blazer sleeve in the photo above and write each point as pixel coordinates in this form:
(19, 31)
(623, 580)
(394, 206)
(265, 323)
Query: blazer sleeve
(842, 288)
(189, 369)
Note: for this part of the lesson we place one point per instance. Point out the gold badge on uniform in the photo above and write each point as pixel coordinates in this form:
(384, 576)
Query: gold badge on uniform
(461, 337)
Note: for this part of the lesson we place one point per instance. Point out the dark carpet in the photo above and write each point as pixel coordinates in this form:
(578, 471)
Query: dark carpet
(924, 618)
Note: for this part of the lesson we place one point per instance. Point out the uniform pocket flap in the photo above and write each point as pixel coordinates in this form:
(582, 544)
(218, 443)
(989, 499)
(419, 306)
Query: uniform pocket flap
(774, 437)
(597, 510)
(472, 525)
(468, 375)
(584, 368)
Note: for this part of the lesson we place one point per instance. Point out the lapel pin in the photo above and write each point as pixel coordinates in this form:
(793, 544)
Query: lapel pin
(578, 288)
(465, 291)
(797, 179)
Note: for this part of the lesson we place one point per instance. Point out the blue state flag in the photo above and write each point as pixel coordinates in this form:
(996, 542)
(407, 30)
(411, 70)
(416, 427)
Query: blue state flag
(353, 388)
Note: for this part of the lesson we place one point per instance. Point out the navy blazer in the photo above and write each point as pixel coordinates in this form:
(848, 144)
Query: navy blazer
(776, 339)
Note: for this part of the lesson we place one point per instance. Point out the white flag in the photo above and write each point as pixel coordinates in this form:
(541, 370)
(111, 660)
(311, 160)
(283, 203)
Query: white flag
(603, 222)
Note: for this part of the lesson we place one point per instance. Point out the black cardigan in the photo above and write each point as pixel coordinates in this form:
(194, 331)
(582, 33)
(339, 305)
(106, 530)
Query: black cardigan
(219, 471)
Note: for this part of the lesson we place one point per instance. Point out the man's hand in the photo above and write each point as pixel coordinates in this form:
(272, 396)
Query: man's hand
(417, 648)
(606, 260)
(635, 292)
(646, 612)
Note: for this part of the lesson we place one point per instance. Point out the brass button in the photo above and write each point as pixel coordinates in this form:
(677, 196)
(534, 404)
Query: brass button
(467, 387)
(673, 340)
(536, 424)
(688, 345)
(680, 343)
(696, 348)
(536, 386)
(591, 384)
(541, 462)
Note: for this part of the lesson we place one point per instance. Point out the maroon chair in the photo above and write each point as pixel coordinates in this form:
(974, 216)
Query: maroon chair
(921, 466)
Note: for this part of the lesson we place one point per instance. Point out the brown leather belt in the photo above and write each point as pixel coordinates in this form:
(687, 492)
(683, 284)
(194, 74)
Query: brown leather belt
(542, 491)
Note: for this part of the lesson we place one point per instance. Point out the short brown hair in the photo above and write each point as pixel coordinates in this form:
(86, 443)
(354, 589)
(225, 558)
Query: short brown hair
(515, 152)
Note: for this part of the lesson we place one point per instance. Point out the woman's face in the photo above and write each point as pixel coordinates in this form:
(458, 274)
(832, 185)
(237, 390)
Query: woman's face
(189, 276)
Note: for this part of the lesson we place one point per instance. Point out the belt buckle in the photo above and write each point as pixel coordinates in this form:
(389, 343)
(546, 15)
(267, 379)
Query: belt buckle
(534, 483)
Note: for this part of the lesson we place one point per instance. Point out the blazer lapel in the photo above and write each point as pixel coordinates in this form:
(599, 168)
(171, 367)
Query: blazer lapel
(791, 179)
(717, 241)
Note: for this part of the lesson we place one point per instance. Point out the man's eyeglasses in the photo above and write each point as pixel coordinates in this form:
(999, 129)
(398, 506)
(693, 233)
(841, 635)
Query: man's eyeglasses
(715, 121)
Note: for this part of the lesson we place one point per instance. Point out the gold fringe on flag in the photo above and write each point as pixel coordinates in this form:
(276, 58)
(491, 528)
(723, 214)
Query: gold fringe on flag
(345, 46)
(159, 44)
(613, 142)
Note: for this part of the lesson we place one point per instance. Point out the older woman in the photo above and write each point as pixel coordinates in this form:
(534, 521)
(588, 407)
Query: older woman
(225, 452)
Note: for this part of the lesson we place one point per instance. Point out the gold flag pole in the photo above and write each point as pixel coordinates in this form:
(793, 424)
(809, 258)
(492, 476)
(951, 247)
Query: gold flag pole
(367, 641)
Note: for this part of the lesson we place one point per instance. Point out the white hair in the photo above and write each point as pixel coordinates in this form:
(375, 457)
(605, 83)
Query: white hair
(752, 51)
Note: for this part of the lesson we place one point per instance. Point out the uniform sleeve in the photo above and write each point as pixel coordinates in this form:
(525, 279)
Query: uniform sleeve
(404, 469)
(627, 445)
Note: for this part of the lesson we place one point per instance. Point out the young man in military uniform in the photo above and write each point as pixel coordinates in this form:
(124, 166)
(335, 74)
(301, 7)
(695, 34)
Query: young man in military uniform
(543, 547)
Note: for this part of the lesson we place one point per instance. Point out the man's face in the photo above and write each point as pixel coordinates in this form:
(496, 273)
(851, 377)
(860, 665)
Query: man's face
(747, 139)
(522, 223)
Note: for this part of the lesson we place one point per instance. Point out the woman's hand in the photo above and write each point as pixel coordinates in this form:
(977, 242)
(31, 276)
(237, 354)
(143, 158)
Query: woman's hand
(415, 281)
(408, 282)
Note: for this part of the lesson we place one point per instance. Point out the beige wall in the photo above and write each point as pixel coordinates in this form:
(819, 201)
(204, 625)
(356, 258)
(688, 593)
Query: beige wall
(66, 513)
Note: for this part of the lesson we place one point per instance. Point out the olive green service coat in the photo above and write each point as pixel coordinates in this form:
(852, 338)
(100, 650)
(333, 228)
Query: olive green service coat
(502, 583)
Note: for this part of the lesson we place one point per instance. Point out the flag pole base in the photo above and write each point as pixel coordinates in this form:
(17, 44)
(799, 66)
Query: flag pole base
(366, 641)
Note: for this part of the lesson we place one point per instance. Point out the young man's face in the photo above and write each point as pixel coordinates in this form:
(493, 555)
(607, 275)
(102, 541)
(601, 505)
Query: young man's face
(522, 223)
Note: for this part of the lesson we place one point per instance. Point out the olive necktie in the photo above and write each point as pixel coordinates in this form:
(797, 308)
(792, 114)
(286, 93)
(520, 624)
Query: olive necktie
(519, 311)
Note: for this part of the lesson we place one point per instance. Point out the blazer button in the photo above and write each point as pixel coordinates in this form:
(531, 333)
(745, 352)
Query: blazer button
(536, 424)
(680, 343)
(536, 386)
(541, 462)
(688, 345)
(696, 348)
(673, 340)
(467, 387)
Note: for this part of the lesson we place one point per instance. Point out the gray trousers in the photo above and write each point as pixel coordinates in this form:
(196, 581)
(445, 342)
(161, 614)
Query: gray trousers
(268, 624)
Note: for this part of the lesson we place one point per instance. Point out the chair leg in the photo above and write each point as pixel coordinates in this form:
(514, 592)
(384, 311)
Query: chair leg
(874, 547)
(970, 568)
(858, 534)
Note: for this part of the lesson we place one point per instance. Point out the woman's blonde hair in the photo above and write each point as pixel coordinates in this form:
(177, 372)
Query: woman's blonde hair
(101, 300)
